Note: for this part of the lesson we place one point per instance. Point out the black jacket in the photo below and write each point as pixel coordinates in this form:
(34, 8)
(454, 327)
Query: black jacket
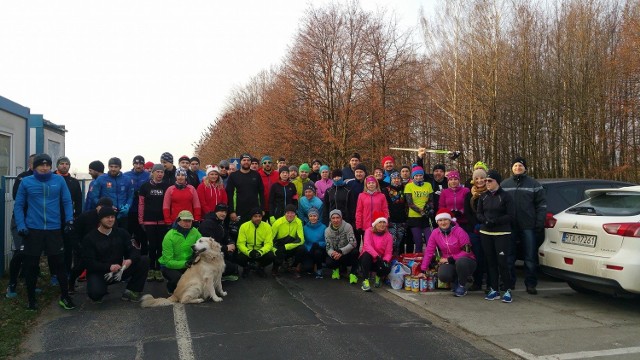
(211, 226)
(341, 198)
(397, 203)
(280, 196)
(530, 201)
(100, 251)
(497, 208)
(76, 195)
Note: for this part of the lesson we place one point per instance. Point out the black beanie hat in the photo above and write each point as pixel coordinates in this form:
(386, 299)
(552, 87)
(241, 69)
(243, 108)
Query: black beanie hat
(96, 165)
(221, 207)
(355, 155)
(336, 173)
(105, 202)
(138, 159)
(255, 211)
(495, 175)
(106, 211)
(283, 169)
(521, 160)
(41, 159)
(361, 167)
(290, 207)
(115, 161)
(440, 167)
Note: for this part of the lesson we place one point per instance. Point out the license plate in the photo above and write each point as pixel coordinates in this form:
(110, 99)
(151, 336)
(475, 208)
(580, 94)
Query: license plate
(579, 239)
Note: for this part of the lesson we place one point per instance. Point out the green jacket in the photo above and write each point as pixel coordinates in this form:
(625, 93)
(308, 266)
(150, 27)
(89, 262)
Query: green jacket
(299, 185)
(294, 231)
(176, 249)
(251, 237)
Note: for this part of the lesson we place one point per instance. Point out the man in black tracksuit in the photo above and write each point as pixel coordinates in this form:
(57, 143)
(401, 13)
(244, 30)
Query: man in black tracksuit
(248, 189)
(213, 226)
(530, 202)
(106, 250)
(70, 241)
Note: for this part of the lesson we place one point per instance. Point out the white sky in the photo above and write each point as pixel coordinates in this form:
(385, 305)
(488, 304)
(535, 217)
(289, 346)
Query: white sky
(144, 77)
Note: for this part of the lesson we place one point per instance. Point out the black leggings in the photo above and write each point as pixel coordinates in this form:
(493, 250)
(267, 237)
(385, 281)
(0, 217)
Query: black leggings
(97, 285)
(496, 250)
(350, 259)
(460, 271)
(154, 236)
(31, 266)
(311, 258)
(368, 265)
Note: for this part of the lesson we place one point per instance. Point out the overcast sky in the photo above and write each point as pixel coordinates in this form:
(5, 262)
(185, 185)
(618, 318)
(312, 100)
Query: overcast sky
(144, 77)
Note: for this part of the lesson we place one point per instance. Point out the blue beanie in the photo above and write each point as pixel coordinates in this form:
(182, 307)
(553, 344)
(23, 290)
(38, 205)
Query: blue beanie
(323, 168)
(265, 158)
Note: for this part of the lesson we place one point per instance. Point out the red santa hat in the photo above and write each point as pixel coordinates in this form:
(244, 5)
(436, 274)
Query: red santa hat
(378, 216)
(444, 214)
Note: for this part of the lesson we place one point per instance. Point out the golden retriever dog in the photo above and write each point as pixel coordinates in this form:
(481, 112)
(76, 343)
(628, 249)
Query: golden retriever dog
(201, 281)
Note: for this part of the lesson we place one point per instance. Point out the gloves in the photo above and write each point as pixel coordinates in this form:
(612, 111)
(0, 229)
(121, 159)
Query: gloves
(489, 224)
(280, 249)
(124, 210)
(456, 213)
(24, 233)
(451, 260)
(378, 258)
(385, 265)
(68, 227)
(254, 254)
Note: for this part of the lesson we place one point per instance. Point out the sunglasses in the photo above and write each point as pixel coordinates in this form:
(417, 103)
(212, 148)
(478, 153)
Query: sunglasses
(266, 162)
(224, 167)
(489, 180)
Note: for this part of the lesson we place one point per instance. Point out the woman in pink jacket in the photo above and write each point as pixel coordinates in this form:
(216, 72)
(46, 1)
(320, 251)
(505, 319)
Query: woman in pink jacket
(377, 250)
(324, 183)
(370, 201)
(457, 262)
(452, 198)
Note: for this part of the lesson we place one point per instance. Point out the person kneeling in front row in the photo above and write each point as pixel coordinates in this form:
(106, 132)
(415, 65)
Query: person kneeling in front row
(377, 250)
(106, 251)
(457, 262)
(255, 244)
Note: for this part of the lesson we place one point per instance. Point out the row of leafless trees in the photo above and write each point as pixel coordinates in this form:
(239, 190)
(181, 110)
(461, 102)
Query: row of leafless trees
(555, 81)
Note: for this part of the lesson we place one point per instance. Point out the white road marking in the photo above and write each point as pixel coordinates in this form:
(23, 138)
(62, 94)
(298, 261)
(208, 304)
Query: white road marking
(183, 334)
(578, 355)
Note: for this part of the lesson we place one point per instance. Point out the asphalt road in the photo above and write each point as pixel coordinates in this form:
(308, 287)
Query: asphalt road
(283, 318)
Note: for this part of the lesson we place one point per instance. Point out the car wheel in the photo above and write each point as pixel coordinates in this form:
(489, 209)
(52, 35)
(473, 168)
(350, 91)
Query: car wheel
(581, 290)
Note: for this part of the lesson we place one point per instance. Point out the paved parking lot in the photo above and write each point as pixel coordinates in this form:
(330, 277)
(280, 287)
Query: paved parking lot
(558, 323)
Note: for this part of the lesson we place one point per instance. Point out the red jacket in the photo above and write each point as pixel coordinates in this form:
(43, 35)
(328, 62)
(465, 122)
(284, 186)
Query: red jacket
(367, 204)
(267, 181)
(210, 196)
(176, 200)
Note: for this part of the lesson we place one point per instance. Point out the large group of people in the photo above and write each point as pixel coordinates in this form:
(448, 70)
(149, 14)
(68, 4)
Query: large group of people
(140, 224)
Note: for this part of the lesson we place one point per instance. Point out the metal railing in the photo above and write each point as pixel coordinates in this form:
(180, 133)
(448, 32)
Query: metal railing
(6, 211)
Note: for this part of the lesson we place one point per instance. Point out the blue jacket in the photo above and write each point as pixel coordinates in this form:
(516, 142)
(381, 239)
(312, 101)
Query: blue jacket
(42, 199)
(119, 188)
(305, 204)
(314, 234)
(138, 179)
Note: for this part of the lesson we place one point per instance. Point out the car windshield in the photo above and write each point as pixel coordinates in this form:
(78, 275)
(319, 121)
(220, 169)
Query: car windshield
(613, 203)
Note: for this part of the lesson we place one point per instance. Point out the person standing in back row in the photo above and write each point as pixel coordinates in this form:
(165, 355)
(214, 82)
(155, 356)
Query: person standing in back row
(246, 187)
(37, 213)
(530, 204)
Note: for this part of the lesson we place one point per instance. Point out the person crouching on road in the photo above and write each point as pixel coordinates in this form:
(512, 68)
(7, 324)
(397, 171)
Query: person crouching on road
(255, 242)
(457, 262)
(107, 250)
(496, 211)
(341, 246)
(288, 236)
(176, 249)
(376, 252)
(214, 226)
(314, 244)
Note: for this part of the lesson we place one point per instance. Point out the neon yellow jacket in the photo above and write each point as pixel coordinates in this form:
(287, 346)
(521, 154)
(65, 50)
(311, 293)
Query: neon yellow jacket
(282, 229)
(258, 238)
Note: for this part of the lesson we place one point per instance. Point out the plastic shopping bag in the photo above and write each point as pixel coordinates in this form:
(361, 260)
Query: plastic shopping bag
(396, 277)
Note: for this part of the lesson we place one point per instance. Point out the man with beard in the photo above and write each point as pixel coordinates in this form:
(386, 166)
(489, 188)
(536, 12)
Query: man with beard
(70, 242)
(388, 164)
(213, 226)
(106, 251)
(96, 169)
(246, 187)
